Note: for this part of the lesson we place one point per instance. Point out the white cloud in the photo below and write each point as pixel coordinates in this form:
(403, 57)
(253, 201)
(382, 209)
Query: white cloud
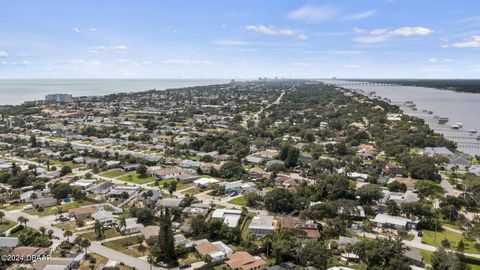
(312, 13)
(359, 16)
(22, 63)
(411, 31)
(82, 62)
(472, 42)
(185, 62)
(270, 30)
(76, 30)
(230, 42)
(302, 37)
(358, 30)
(377, 32)
(101, 48)
(93, 29)
(380, 35)
(3, 53)
(3, 63)
(432, 60)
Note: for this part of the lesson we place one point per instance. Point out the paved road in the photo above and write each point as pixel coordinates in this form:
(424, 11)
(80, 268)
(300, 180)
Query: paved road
(447, 188)
(37, 222)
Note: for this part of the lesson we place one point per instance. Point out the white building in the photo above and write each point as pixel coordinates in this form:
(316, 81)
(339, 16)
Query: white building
(262, 225)
(229, 217)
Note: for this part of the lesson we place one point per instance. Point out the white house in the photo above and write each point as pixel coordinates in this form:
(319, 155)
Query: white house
(387, 221)
(230, 217)
(131, 226)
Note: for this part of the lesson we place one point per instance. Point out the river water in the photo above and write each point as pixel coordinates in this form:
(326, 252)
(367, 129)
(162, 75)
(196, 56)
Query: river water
(458, 107)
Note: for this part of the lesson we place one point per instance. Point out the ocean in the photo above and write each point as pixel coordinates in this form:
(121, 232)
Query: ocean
(16, 91)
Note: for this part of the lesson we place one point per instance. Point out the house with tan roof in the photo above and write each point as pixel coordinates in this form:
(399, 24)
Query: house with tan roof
(242, 260)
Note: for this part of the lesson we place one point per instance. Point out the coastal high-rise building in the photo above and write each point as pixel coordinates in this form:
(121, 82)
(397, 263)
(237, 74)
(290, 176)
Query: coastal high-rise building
(58, 98)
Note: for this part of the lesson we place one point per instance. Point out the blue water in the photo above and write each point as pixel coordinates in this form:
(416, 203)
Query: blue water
(16, 91)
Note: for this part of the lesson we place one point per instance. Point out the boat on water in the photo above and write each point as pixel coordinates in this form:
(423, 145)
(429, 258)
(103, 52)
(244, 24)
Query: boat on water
(473, 131)
(455, 126)
(442, 120)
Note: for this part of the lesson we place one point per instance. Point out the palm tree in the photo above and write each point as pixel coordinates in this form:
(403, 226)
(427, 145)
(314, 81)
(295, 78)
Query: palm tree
(98, 229)
(2, 215)
(22, 220)
(85, 244)
(122, 223)
(67, 234)
(151, 260)
(25, 220)
(43, 230)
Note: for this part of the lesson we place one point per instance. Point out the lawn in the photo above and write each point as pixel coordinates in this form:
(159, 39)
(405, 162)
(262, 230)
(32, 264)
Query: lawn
(127, 245)
(239, 201)
(108, 233)
(134, 177)
(453, 237)
(474, 263)
(113, 173)
(6, 224)
(191, 191)
(53, 210)
(16, 206)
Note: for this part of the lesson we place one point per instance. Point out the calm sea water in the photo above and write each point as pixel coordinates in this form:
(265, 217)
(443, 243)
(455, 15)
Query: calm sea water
(15, 91)
(457, 106)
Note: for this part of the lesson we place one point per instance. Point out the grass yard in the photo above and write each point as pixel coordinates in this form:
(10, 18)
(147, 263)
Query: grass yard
(6, 224)
(53, 210)
(134, 177)
(10, 207)
(473, 263)
(108, 233)
(453, 237)
(191, 191)
(239, 201)
(127, 245)
(66, 225)
(113, 173)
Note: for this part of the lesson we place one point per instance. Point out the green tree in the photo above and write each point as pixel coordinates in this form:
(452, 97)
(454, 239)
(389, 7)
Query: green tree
(369, 193)
(279, 200)
(314, 253)
(443, 260)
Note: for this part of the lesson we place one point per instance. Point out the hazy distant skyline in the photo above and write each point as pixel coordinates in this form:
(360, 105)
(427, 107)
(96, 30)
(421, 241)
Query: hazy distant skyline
(240, 39)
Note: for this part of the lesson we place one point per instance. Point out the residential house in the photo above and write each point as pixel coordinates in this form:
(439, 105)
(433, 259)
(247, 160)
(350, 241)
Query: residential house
(256, 173)
(180, 239)
(242, 260)
(27, 195)
(101, 188)
(387, 221)
(187, 177)
(82, 212)
(230, 217)
(56, 263)
(308, 226)
(8, 243)
(165, 173)
(105, 217)
(203, 182)
(262, 225)
(218, 251)
(169, 202)
(44, 202)
(196, 209)
(131, 226)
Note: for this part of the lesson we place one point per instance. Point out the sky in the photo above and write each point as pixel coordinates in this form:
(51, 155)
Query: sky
(240, 39)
